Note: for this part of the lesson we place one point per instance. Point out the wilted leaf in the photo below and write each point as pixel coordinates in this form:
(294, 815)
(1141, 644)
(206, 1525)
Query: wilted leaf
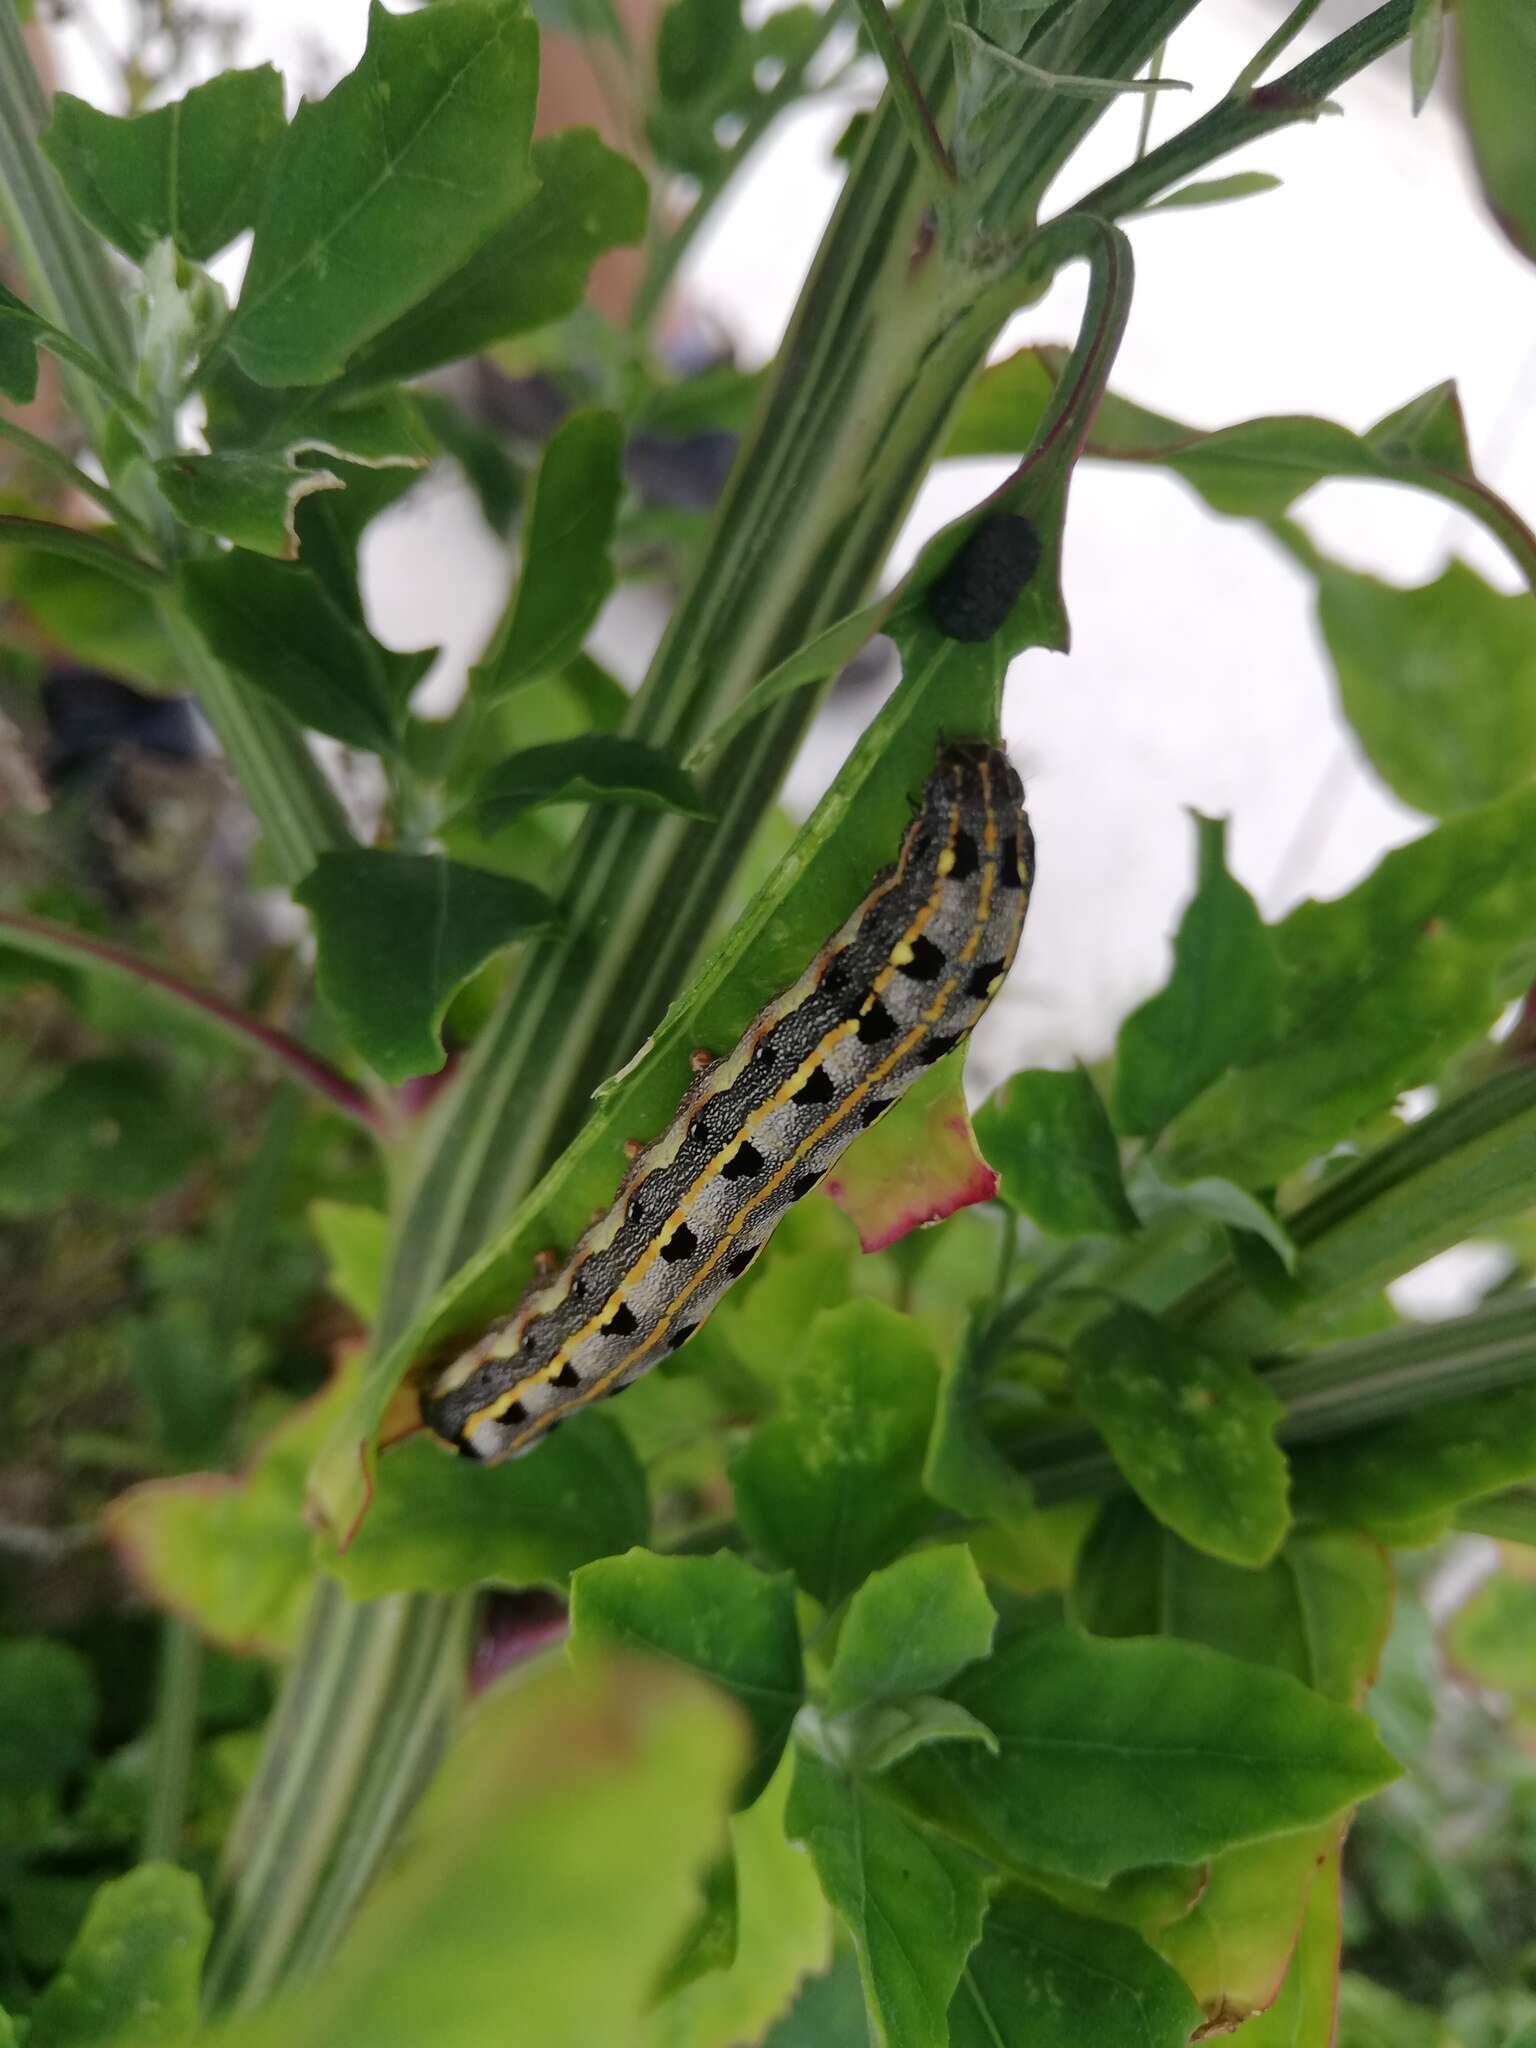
(733, 1624)
(398, 933)
(192, 171)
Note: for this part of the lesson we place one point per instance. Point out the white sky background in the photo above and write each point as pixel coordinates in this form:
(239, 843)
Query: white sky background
(1196, 677)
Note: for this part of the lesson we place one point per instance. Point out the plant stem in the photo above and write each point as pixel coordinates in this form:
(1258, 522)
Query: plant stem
(75, 545)
(46, 456)
(49, 941)
(906, 92)
(1282, 39)
(177, 1700)
(1299, 95)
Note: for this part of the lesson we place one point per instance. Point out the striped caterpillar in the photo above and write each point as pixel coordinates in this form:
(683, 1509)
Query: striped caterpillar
(899, 984)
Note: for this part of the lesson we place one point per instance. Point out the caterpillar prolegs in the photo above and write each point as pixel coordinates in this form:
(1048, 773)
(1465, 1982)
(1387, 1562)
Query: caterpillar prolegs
(893, 989)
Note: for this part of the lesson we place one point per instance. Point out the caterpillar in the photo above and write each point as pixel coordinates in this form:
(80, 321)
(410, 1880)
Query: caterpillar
(981, 585)
(896, 986)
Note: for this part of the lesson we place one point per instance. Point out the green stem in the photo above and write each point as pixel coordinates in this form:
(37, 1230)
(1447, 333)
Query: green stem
(1299, 95)
(54, 460)
(76, 545)
(1282, 39)
(48, 941)
(67, 271)
(906, 93)
(177, 1701)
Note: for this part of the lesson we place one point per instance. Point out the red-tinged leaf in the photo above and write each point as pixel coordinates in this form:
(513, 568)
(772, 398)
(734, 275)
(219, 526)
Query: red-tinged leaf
(918, 1165)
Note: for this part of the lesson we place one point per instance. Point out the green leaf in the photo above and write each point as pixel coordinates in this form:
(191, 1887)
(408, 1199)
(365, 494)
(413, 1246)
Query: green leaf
(23, 333)
(192, 171)
(47, 1709)
(1382, 985)
(1214, 1201)
(829, 2013)
(92, 614)
(1215, 191)
(566, 574)
(1047, 1978)
(964, 1470)
(817, 662)
(252, 500)
(1439, 683)
(1049, 1138)
(1320, 1610)
(234, 1556)
(831, 1485)
(384, 188)
(912, 1902)
(439, 1525)
(1497, 48)
(1254, 470)
(1306, 2008)
(1115, 1755)
(281, 632)
(355, 1242)
(783, 1930)
(1492, 1636)
(697, 44)
(398, 933)
(598, 768)
(531, 271)
(1235, 1944)
(611, 1783)
(1426, 40)
(868, 1740)
(1218, 1006)
(910, 1628)
(1192, 1431)
(1399, 1476)
(132, 1973)
(106, 1130)
(732, 1623)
